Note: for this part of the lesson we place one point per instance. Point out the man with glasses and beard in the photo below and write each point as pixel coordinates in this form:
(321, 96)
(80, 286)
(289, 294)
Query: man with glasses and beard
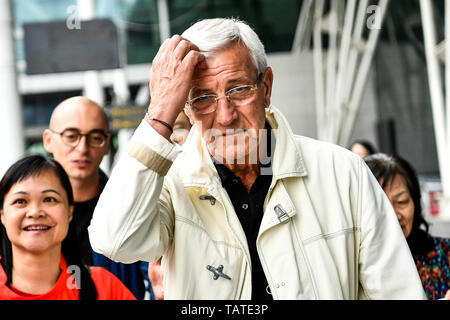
(78, 138)
(247, 209)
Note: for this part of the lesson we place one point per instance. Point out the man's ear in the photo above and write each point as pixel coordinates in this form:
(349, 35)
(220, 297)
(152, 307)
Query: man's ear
(47, 139)
(268, 81)
(106, 146)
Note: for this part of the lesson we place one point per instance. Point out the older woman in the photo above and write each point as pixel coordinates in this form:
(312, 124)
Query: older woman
(38, 254)
(399, 180)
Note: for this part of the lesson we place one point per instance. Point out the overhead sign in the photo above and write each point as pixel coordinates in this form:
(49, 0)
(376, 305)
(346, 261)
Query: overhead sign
(128, 117)
(52, 47)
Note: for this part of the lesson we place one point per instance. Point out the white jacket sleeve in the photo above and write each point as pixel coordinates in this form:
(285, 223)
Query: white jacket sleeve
(386, 267)
(134, 219)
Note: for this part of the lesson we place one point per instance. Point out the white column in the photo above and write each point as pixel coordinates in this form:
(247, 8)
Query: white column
(93, 88)
(438, 99)
(12, 142)
(436, 92)
(319, 81)
(163, 20)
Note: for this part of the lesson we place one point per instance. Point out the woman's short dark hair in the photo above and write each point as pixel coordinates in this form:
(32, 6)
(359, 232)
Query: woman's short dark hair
(385, 168)
(34, 165)
(366, 144)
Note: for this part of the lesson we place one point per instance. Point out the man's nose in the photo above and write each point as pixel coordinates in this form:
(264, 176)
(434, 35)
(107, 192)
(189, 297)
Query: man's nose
(225, 112)
(82, 144)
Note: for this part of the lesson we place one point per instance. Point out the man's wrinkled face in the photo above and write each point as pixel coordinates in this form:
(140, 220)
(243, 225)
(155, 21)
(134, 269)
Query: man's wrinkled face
(81, 161)
(231, 131)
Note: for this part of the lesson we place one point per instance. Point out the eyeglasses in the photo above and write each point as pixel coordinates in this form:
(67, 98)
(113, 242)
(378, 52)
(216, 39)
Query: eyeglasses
(71, 137)
(207, 104)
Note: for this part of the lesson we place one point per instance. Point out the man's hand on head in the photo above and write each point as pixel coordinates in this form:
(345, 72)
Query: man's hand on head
(170, 81)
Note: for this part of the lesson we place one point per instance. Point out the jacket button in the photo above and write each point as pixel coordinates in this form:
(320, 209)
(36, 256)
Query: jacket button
(245, 206)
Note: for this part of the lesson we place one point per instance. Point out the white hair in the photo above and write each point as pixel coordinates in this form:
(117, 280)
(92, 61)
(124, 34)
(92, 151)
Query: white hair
(212, 35)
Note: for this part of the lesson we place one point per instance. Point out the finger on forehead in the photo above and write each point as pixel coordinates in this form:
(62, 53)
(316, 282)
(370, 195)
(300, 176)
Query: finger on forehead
(192, 46)
(193, 58)
(177, 39)
(201, 66)
(182, 49)
(173, 42)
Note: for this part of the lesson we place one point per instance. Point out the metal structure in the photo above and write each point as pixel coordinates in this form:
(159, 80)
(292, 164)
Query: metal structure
(341, 73)
(437, 57)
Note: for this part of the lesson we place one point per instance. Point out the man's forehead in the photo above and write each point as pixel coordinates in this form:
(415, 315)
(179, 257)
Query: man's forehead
(230, 59)
(79, 115)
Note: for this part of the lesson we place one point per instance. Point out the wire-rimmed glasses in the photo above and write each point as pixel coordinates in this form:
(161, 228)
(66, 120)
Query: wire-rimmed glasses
(207, 103)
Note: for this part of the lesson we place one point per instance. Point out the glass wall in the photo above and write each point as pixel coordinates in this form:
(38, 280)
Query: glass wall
(28, 11)
(275, 21)
(137, 21)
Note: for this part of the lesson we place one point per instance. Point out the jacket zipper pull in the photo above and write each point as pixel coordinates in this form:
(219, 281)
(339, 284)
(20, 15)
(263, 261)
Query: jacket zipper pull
(282, 215)
(208, 197)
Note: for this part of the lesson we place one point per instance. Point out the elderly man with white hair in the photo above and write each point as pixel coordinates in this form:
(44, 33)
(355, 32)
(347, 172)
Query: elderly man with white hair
(247, 209)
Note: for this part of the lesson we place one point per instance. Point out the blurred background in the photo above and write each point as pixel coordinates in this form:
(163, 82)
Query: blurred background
(343, 70)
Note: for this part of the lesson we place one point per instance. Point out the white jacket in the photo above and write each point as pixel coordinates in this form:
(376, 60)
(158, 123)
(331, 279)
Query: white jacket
(337, 236)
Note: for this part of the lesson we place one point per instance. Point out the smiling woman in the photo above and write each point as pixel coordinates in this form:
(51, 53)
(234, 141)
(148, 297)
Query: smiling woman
(38, 251)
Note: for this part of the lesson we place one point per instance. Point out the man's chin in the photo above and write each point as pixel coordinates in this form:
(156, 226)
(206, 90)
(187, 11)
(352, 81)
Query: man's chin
(81, 174)
(241, 149)
(230, 155)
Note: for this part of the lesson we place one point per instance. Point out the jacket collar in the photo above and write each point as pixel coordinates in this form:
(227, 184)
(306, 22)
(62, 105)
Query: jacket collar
(287, 158)
(194, 165)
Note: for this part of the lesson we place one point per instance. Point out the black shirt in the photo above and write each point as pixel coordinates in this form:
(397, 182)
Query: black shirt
(82, 215)
(249, 208)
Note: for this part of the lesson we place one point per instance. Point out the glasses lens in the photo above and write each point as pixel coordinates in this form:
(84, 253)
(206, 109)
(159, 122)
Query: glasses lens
(70, 137)
(241, 93)
(96, 139)
(203, 104)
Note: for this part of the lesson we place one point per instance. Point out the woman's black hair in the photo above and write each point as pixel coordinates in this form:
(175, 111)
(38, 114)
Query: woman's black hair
(386, 167)
(34, 165)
